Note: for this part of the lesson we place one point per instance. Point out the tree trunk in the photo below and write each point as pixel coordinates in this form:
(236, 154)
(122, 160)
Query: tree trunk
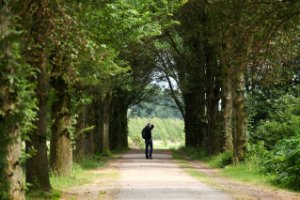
(228, 112)
(193, 71)
(240, 118)
(89, 141)
(98, 113)
(37, 170)
(11, 174)
(79, 136)
(213, 90)
(105, 122)
(118, 123)
(61, 156)
(214, 141)
(89, 144)
(102, 107)
(14, 171)
(195, 126)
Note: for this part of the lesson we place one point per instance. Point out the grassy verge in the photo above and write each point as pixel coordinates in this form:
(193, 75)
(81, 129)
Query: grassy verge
(83, 172)
(41, 195)
(249, 171)
(188, 168)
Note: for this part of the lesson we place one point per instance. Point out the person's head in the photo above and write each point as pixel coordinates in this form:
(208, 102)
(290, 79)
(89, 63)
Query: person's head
(148, 124)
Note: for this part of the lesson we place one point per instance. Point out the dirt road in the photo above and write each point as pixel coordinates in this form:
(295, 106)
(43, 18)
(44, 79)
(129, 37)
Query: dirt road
(163, 178)
(160, 178)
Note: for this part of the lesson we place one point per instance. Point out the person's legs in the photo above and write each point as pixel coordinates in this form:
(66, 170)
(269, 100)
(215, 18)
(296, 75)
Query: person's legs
(151, 148)
(146, 149)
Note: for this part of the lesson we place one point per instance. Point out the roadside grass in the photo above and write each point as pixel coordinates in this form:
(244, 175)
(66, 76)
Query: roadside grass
(41, 195)
(248, 171)
(83, 172)
(189, 169)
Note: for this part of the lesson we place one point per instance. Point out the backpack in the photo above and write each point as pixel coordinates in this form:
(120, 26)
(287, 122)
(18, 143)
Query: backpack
(144, 133)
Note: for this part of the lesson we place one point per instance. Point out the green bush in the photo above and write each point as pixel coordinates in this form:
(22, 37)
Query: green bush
(257, 153)
(283, 122)
(221, 160)
(193, 153)
(284, 163)
(277, 142)
(137, 141)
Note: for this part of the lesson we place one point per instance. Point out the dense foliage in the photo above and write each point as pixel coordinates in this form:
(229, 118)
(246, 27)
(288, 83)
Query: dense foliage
(283, 162)
(278, 136)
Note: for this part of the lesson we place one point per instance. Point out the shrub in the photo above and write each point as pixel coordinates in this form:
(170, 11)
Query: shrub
(257, 153)
(137, 141)
(193, 153)
(221, 160)
(284, 163)
(282, 124)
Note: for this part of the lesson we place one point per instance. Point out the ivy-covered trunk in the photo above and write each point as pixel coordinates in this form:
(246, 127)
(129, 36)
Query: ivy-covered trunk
(11, 174)
(61, 156)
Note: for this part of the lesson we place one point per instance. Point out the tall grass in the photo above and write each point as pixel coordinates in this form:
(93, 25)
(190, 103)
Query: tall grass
(249, 171)
(168, 133)
(82, 172)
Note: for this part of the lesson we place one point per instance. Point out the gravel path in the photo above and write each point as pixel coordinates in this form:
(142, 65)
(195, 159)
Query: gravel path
(160, 178)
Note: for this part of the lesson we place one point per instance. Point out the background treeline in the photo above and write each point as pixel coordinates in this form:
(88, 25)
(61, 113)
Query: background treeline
(168, 132)
(160, 110)
(160, 105)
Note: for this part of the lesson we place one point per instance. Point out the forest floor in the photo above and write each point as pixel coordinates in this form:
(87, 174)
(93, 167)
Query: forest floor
(166, 178)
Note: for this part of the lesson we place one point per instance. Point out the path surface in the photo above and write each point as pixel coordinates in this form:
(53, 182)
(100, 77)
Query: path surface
(163, 179)
(160, 179)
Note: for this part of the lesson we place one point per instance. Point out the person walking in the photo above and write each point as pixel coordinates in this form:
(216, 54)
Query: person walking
(147, 135)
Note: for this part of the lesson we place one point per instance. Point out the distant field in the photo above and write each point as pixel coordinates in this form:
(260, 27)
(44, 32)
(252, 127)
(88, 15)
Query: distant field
(168, 133)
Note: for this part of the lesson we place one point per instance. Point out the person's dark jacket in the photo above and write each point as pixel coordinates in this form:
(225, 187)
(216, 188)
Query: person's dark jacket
(148, 130)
